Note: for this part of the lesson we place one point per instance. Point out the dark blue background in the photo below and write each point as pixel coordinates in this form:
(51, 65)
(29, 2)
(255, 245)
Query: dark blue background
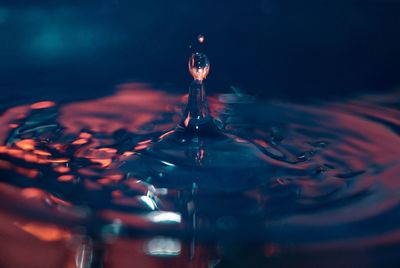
(270, 48)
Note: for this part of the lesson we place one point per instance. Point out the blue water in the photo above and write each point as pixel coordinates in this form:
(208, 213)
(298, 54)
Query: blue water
(295, 166)
(111, 182)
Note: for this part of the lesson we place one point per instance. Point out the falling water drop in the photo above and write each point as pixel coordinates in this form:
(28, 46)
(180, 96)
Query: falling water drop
(199, 66)
(200, 38)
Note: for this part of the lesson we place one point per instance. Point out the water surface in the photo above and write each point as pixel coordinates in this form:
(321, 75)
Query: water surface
(107, 182)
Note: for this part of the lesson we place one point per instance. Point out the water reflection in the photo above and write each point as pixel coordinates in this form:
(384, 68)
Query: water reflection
(163, 247)
(111, 171)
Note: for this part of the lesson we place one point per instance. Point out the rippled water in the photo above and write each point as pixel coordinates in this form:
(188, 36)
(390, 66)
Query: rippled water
(110, 182)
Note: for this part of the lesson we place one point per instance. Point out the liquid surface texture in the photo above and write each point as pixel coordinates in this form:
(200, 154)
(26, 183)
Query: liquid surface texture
(112, 182)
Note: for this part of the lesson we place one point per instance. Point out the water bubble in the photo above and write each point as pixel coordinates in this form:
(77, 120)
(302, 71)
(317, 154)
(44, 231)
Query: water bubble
(199, 66)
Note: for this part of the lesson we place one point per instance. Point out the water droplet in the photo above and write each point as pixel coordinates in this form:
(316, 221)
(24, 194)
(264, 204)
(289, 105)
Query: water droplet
(199, 66)
(200, 38)
(197, 112)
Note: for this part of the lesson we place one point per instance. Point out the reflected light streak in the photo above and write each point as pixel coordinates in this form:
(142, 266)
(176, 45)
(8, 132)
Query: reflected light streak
(27, 144)
(168, 163)
(163, 247)
(84, 254)
(44, 232)
(42, 105)
(165, 217)
(148, 201)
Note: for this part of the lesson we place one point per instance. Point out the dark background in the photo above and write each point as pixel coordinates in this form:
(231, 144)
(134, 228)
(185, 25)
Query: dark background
(294, 49)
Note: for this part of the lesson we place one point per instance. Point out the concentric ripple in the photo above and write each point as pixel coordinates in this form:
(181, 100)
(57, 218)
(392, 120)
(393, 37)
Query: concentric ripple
(294, 176)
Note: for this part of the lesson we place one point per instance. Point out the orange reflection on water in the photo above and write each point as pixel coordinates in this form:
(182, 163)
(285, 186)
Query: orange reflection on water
(187, 119)
(32, 193)
(13, 125)
(128, 153)
(61, 169)
(41, 153)
(27, 144)
(31, 158)
(27, 172)
(45, 232)
(104, 181)
(141, 147)
(109, 150)
(65, 178)
(16, 153)
(80, 142)
(42, 105)
(131, 107)
(261, 143)
(59, 201)
(85, 135)
(116, 193)
(59, 160)
(103, 162)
